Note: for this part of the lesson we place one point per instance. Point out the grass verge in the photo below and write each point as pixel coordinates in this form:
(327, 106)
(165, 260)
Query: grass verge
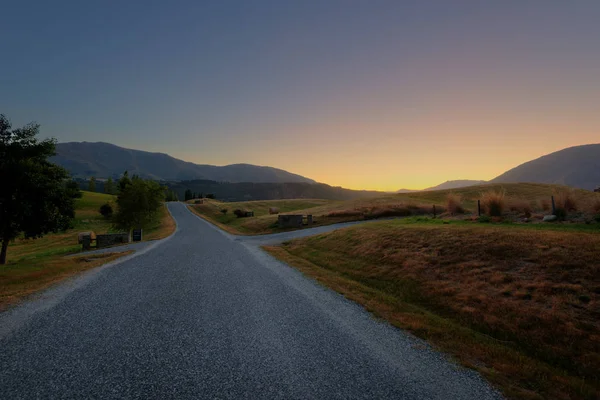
(18, 281)
(520, 306)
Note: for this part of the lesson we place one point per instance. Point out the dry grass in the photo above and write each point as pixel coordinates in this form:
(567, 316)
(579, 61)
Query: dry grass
(493, 202)
(327, 212)
(454, 203)
(164, 227)
(520, 306)
(565, 200)
(520, 206)
(17, 281)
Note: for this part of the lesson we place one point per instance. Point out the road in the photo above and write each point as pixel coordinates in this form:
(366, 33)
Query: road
(204, 314)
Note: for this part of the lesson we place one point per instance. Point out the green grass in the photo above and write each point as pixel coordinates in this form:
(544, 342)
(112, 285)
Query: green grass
(34, 264)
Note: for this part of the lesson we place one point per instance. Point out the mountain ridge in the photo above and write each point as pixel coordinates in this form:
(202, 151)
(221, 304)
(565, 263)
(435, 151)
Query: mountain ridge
(104, 160)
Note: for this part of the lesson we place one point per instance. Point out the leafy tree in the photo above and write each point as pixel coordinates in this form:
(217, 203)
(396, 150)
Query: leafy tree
(72, 188)
(106, 210)
(188, 195)
(34, 195)
(210, 196)
(171, 195)
(138, 203)
(92, 185)
(109, 186)
(201, 195)
(124, 181)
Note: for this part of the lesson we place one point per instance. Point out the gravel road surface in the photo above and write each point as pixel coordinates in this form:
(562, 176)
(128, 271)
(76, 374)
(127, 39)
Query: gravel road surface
(204, 314)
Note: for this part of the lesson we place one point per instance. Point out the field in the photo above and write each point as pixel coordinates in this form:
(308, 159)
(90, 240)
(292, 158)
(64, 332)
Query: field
(34, 264)
(520, 200)
(521, 306)
(262, 222)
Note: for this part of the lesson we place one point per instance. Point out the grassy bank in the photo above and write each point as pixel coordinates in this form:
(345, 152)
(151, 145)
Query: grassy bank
(35, 264)
(519, 201)
(521, 306)
(262, 222)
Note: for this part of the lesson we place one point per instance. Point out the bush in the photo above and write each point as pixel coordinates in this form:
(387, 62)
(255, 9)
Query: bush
(564, 203)
(223, 211)
(595, 206)
(485, 219)
(106, 210)
(238, 213)
(454, 204)
(493, 203)
(138, 204)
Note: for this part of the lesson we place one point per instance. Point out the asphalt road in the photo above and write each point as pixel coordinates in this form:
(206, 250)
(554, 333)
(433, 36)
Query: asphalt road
(204, 314)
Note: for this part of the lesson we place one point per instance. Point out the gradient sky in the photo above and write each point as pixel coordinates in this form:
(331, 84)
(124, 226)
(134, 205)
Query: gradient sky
(363, 94)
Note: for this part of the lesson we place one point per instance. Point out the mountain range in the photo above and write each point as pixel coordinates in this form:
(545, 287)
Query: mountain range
(104, 160)
(577, 166)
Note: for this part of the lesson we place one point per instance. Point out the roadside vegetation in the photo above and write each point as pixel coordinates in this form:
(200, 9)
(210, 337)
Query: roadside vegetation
(223, 214)
(521, 203)
(35, 264)
(519, 305)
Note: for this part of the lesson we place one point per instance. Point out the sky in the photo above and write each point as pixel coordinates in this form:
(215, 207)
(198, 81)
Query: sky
(361, 94)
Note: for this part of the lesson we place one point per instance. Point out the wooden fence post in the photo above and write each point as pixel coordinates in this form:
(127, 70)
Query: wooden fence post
(479, 208)
(553, 206)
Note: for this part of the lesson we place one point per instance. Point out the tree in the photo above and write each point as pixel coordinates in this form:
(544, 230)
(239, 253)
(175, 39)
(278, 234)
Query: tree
(170, 195)
(138, 203)
(73, 189)
(34, 195)
(92, 185)
(124, 181)
(210, 196)
(106, 210)
(109, 186)
(188, 195)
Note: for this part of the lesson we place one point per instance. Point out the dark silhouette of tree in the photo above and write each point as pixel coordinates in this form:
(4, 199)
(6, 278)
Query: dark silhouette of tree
(35, 197)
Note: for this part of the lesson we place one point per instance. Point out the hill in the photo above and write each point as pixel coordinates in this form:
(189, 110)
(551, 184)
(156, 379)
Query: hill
(104, 160)
(455, 184)
(244, 191)
(577, 166)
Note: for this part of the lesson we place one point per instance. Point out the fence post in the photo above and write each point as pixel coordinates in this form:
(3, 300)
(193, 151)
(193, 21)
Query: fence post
(553, 206)
(479, 208)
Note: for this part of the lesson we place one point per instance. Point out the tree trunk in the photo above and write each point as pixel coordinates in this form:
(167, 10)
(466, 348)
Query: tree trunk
(3, 252)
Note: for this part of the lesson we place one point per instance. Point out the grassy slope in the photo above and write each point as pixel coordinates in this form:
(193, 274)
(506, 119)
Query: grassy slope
(34, 264)
(521, 306)
(330, 212)
(262, 222)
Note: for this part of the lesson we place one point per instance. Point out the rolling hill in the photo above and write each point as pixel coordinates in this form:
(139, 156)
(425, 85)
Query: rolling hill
(104, 160)
(577, 166)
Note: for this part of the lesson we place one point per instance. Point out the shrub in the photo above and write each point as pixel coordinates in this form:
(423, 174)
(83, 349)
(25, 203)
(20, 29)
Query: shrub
(239, 213)
(485, 219)
(106, 210)
(564, 203)
(595, 206)
(493, 203)
(223, 211)
(454, 204)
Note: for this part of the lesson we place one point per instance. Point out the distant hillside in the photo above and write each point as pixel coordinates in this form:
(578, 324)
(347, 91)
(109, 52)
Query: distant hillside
(103, 160)
(577, 166)
(268, 191)
(456, 184)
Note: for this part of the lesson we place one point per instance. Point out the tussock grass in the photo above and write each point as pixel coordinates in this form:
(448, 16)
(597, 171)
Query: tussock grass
(454, 203)
(519, 305)
(493, 202)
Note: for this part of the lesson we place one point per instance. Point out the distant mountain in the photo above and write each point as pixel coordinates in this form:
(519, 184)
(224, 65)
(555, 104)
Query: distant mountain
(577, 166)
(268, 191)
(456, 184)
(104, 160)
